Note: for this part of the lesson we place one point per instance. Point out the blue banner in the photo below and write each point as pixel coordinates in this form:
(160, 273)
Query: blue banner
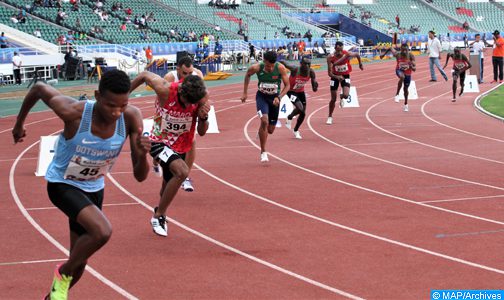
(326, 18)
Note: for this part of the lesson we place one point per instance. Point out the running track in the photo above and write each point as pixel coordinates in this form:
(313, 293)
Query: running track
(382, 204)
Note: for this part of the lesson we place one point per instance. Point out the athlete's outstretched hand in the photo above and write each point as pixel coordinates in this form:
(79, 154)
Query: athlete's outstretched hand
(18, 133)
(361, 67)
(276, 101)
(203, 110)
(243, 98)
(143, 142)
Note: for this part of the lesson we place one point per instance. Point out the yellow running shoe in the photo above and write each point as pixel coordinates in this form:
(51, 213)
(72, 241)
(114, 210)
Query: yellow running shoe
(60, 286)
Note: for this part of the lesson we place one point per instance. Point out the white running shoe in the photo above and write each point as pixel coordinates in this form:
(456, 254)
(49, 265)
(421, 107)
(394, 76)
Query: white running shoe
(406, 107)
(158, 171)
(187, 185)
(454, 99)
(288, 124)
(297, 135)
(159, 225)
(396, 98)
(264, 157)
(329, 121)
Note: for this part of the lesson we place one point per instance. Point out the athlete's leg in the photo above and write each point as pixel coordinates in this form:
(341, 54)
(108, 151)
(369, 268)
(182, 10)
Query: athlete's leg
(178, 173)
(332, 103)
(98, 232)
(302, 113)
(263, 132)
(191, 155)
(454, 85)
(462, 84)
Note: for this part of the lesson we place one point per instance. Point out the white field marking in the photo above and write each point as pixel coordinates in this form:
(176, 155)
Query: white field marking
(27, 262)
(373, 144)
(463, 199)
(218, 148)
(45, 234)
(425, 144)
(477, 101)
(389, 161)
(368, 189)
(13, 159)
(357, 231)
(54, 207)
(234, 250)
(458, 129)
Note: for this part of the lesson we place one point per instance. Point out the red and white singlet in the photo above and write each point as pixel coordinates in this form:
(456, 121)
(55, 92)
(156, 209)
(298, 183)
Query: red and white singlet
(174, 125)
(343, 68)
(404, 64)
(298, 82)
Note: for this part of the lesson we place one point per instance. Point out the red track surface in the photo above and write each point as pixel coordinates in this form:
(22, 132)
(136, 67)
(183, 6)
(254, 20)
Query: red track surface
(383, 204)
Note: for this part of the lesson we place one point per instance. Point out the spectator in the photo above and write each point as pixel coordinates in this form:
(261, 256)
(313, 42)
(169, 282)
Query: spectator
(466, 41)
(3, 41)
(478, 47)
(465, 26)
(123, 26)
(16, 67)
(434, 50)
(128, 11)
(206, 51)
(148, 54)
(217, 28)
(37, 33)
(218, 48)
(498, 56)
(78, 23)
(250, 1)
(398, 21)
(308, 35)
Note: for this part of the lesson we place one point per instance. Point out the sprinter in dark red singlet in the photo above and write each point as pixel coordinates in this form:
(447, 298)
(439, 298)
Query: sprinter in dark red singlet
(405, 66)
(460, 65)
(339, 69)
(298, 78)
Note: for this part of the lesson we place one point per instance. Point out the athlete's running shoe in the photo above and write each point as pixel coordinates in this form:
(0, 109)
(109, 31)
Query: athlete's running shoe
(60, 285)
(454, 99)
(406, 108)
(329, 121)
(264, 157)
(396, 98)
(297, 135)
(187, 185)
(159, 225)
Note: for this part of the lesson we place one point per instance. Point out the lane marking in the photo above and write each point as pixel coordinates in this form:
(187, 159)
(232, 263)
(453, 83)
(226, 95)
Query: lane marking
(104, 205)
(27, 262)
(463, 199)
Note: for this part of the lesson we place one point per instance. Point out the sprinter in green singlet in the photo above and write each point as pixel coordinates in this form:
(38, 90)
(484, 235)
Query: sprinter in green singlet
(270, 74)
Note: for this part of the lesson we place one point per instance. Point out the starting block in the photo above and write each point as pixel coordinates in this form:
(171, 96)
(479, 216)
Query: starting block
(353, 99)
(471, 84)
(413, 94)
(286, 107)
(46, 153)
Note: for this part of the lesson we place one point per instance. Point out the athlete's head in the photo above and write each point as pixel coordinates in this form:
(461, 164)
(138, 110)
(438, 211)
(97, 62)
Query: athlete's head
(270, 58)
(456, 51)
(305, 64)
(192, 89)
(184, 67)
(112, 94)
(404, 48)
(338, 47)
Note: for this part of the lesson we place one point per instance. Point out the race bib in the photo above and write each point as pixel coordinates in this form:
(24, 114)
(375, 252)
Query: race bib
(460, 66)
(404, 66)
(341, 68)
(292, 98)
(268, 88)
(83, 169)
(347, 80)
(176, 125)
(332, 83)
(165, 154)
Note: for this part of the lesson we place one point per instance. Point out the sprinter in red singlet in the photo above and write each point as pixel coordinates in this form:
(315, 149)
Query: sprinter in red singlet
(460, 65)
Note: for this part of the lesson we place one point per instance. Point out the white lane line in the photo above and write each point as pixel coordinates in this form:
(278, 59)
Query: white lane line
(234, 250)
(365, 188)
(45, 234)
(463, 199)
(344, 227)
(27, 262)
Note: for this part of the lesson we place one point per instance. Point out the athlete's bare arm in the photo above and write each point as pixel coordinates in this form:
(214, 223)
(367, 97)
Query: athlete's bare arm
(468, 66)
(447, 59)
(290, 67)
(169, 77)
(285, 80)
(253, 69)
(139, 144)
(203, 109)
(314, 83)
(158, 84)
(412, 62)
(68, 109)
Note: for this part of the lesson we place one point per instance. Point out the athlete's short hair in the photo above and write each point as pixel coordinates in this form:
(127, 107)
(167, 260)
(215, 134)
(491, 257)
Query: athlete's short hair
(340, 44)
(115, 81)
(477, 34)
(270, 56)
(193, 89)
(185, 61)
